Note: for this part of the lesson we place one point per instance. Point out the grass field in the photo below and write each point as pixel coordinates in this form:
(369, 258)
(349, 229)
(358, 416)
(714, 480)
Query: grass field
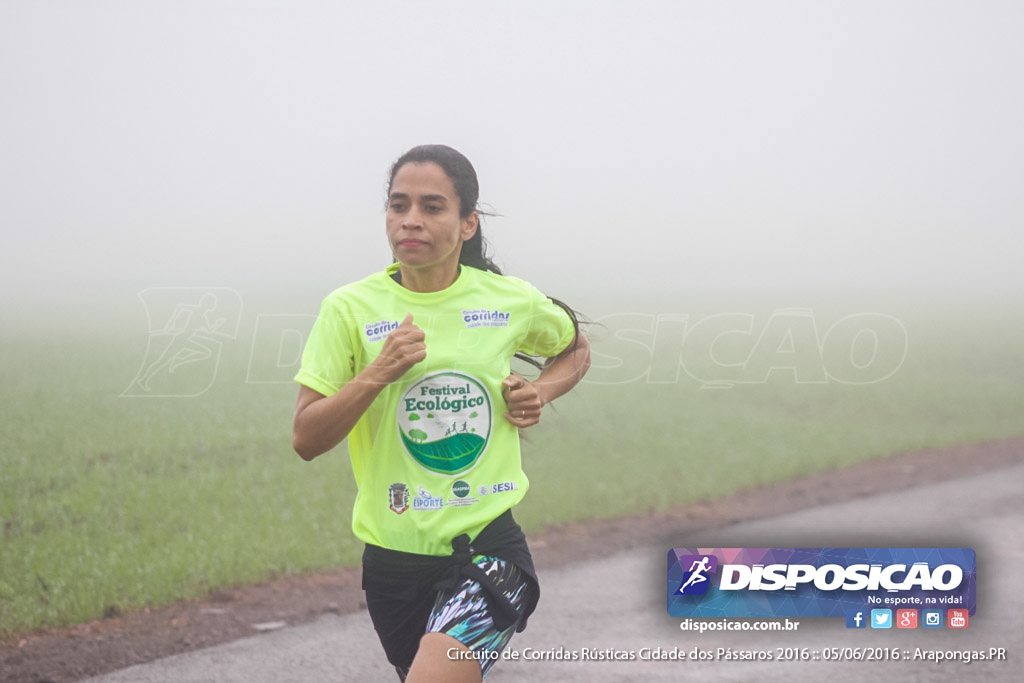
(112, 502)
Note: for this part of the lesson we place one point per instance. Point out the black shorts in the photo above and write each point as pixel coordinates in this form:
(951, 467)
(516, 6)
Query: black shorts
(463, 613)
(409, 595)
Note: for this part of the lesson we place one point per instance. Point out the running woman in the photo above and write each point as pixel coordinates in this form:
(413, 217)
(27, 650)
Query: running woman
(413, 366)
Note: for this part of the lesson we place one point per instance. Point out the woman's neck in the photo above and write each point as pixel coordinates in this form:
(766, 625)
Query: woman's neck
(425, 280)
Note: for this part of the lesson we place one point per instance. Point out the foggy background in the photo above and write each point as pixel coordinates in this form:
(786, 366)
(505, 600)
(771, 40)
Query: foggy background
(677, 145)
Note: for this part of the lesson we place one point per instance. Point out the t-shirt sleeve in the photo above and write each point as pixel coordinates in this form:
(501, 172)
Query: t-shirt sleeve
(328, 360)
(550, 329)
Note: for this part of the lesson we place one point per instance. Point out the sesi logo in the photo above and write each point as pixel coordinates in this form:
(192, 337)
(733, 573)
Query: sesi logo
(504, 487)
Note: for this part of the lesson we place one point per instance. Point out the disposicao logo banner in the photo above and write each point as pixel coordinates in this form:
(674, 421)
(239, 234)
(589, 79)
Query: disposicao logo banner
(817, 582)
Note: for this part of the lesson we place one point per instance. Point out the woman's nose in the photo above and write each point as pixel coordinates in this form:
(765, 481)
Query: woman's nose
(412, 219)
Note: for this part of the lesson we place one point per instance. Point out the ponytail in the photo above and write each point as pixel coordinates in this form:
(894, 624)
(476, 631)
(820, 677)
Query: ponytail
(474, 253)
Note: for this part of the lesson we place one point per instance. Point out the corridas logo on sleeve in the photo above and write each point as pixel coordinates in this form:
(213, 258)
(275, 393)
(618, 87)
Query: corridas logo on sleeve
(444, 421)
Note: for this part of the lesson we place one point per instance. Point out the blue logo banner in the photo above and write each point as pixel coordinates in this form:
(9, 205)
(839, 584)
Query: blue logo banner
(818, 582)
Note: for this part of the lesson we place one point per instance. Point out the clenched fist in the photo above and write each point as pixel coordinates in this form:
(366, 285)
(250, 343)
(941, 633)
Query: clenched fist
(523, 401)
(403, 348)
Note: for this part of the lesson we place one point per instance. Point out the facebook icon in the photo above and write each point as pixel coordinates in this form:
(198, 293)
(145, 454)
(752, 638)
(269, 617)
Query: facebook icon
(856, 618)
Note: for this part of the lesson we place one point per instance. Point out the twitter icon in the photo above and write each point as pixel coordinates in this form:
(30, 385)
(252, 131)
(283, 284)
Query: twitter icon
(881, 618)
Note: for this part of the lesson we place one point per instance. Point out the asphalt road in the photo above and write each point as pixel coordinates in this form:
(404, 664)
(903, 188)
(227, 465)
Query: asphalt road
(618, 604)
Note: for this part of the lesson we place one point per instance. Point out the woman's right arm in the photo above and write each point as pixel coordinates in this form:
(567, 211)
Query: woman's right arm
(321, 422)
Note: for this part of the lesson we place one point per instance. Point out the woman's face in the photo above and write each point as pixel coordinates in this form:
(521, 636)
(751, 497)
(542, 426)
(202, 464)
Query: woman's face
(423, 224)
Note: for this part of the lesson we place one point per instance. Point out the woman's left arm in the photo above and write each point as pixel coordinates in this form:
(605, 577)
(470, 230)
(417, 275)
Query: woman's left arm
(526, 399)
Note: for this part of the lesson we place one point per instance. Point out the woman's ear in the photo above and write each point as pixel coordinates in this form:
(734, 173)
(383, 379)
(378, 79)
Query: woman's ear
(470, 224)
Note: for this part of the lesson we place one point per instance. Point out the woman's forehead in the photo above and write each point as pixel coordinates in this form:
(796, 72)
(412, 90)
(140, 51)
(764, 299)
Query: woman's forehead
(418, 178)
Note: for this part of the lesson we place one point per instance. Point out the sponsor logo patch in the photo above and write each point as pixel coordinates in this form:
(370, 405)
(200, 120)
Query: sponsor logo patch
(460, 493)
(398, 497)
(379, 330)
(501, 487)
(426, 501)
(444, 422)
(481, 317)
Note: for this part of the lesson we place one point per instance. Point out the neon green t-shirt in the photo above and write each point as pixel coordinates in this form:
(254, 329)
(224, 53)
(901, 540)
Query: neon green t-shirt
(433, 456)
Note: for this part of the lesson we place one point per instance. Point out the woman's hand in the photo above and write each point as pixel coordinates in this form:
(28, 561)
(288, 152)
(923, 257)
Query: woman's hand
(403, 348)
(523, 401)
(526, 399)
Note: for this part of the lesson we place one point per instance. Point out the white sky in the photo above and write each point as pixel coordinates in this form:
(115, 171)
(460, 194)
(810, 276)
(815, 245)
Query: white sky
(669, 143)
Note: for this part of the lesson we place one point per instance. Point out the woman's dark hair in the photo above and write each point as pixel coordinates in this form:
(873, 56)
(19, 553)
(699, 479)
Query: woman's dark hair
(463, 176)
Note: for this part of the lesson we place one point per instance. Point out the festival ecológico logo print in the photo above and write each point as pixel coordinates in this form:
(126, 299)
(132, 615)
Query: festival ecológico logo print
(444, 421)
